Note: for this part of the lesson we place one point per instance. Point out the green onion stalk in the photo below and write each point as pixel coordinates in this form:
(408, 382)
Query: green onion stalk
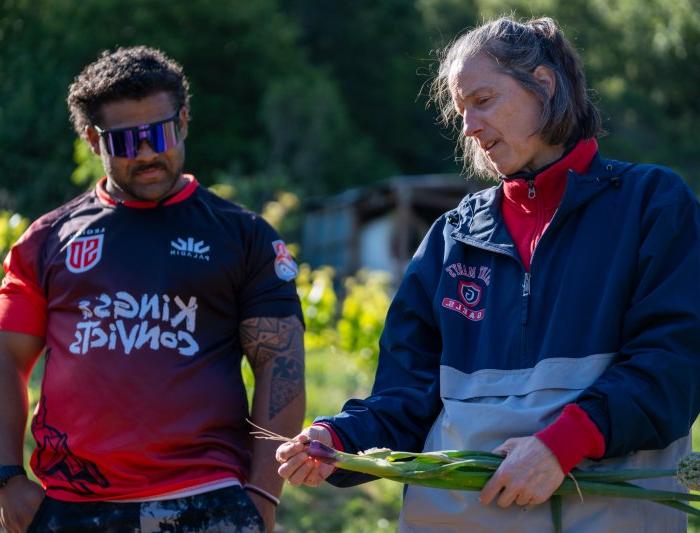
(470, 470)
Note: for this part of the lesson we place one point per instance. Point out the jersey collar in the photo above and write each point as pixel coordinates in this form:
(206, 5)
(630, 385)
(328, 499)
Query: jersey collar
(179, 196)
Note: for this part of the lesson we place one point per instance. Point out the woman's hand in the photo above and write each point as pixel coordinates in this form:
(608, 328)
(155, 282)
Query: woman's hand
(528, 475)
(297, 466)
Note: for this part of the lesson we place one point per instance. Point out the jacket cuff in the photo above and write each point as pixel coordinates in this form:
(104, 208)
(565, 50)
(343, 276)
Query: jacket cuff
(337, 443)
(572, 437)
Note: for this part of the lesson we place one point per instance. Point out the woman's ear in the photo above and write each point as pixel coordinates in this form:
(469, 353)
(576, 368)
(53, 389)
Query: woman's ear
(545, 77)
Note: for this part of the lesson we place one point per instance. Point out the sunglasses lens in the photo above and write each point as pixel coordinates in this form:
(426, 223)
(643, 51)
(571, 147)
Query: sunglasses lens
(118, 143)
(161, 136)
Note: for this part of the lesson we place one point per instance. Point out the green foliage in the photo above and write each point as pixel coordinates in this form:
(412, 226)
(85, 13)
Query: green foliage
(637, 57)
(366, 302)
(88, 169)
(319, 304)
(272, 194)
(12, 225)
(326, 94)
(355, 326)
(313, 138)
(258, 104)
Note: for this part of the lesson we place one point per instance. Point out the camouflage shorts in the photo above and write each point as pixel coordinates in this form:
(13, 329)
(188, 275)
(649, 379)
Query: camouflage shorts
(219, 511)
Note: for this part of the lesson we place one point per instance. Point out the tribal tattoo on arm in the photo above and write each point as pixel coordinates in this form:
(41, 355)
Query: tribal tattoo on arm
(277, 343)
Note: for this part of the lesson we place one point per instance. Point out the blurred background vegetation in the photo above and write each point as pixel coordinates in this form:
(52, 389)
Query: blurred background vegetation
(314, 96)
(296, 99)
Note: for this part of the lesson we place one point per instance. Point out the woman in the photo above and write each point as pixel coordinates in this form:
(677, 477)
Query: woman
(553, 318)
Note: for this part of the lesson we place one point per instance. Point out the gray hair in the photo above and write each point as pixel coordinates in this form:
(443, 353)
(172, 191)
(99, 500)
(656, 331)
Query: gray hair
(518, 49)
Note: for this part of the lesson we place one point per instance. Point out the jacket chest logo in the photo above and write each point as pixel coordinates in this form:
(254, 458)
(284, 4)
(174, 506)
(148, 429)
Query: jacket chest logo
(472, 282)
(84, 252)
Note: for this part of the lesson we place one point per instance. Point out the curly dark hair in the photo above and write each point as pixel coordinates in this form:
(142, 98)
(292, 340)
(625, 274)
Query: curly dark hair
(127, 73)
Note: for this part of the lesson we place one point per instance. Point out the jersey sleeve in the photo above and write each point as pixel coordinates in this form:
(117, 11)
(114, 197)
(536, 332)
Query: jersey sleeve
(23, 307)
(269, 289)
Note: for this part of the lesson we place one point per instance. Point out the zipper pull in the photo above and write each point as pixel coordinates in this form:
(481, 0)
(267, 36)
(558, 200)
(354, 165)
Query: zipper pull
(526, 298)
(526, 284)
(531, 192)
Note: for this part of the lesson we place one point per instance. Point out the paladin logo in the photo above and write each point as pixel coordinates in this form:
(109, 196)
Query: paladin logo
(189, 248)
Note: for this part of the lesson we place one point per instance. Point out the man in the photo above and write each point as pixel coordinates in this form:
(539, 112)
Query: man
(143, 294)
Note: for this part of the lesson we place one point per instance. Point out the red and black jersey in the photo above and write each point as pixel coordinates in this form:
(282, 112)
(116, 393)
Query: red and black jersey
(140, 306)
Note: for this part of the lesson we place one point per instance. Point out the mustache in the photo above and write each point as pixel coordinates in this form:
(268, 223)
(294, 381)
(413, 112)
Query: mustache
(150, 166)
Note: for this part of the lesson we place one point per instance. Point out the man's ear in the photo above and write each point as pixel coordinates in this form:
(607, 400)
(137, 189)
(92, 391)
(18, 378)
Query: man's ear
(184, 122)
(546, 78)
(93, 138)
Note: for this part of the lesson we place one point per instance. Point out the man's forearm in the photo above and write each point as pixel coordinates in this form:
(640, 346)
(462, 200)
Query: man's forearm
(287, 421)
(13, 412)
(276, 350)
(18, 353)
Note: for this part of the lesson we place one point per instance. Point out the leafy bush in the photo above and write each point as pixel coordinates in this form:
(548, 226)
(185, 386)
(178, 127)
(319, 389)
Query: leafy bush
(362, 315)
(12, 225)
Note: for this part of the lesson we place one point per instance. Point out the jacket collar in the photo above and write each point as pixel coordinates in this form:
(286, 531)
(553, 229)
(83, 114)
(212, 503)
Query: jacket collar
(478, 220)
(549, 182)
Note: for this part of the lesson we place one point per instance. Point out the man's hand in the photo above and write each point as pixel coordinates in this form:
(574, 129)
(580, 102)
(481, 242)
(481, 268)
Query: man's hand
(296, 465)
(19, 502)
(528, 475)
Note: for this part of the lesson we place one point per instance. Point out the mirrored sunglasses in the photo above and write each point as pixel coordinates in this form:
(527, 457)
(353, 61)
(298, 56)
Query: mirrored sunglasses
(124, 142)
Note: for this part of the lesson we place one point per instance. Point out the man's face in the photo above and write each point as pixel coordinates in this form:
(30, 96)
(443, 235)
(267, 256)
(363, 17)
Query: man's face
(149, 176)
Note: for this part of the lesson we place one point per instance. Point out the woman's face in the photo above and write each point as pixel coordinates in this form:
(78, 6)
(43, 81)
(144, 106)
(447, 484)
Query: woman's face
(500, 116)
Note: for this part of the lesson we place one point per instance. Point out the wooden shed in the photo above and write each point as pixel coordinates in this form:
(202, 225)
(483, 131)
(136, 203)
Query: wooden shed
(378, 227)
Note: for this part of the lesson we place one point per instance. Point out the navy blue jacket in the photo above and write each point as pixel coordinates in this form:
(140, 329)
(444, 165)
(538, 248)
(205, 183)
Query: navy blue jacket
(609, 314)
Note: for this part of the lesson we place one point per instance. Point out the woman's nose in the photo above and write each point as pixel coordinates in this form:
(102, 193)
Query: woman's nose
(470, 124)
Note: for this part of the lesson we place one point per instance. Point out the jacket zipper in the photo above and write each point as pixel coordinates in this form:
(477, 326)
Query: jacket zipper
(527, 276)
(524, 314)
(526, 295)
(531, 191)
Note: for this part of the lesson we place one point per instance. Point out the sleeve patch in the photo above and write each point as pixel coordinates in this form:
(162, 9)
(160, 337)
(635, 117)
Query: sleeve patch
(285, 266)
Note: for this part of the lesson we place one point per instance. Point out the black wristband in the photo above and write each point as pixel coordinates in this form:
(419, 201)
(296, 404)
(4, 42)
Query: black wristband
(260, 492)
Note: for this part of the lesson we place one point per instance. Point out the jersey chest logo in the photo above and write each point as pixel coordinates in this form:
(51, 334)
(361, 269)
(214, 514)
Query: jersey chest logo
(84, 253)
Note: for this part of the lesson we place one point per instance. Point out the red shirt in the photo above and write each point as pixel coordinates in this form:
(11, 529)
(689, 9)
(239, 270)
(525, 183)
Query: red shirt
(140, 306)
(527, 216)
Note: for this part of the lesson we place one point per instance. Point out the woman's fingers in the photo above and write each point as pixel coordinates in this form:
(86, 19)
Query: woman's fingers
(289, 449)
(298, 477)
(292, 464)
(296, 466)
